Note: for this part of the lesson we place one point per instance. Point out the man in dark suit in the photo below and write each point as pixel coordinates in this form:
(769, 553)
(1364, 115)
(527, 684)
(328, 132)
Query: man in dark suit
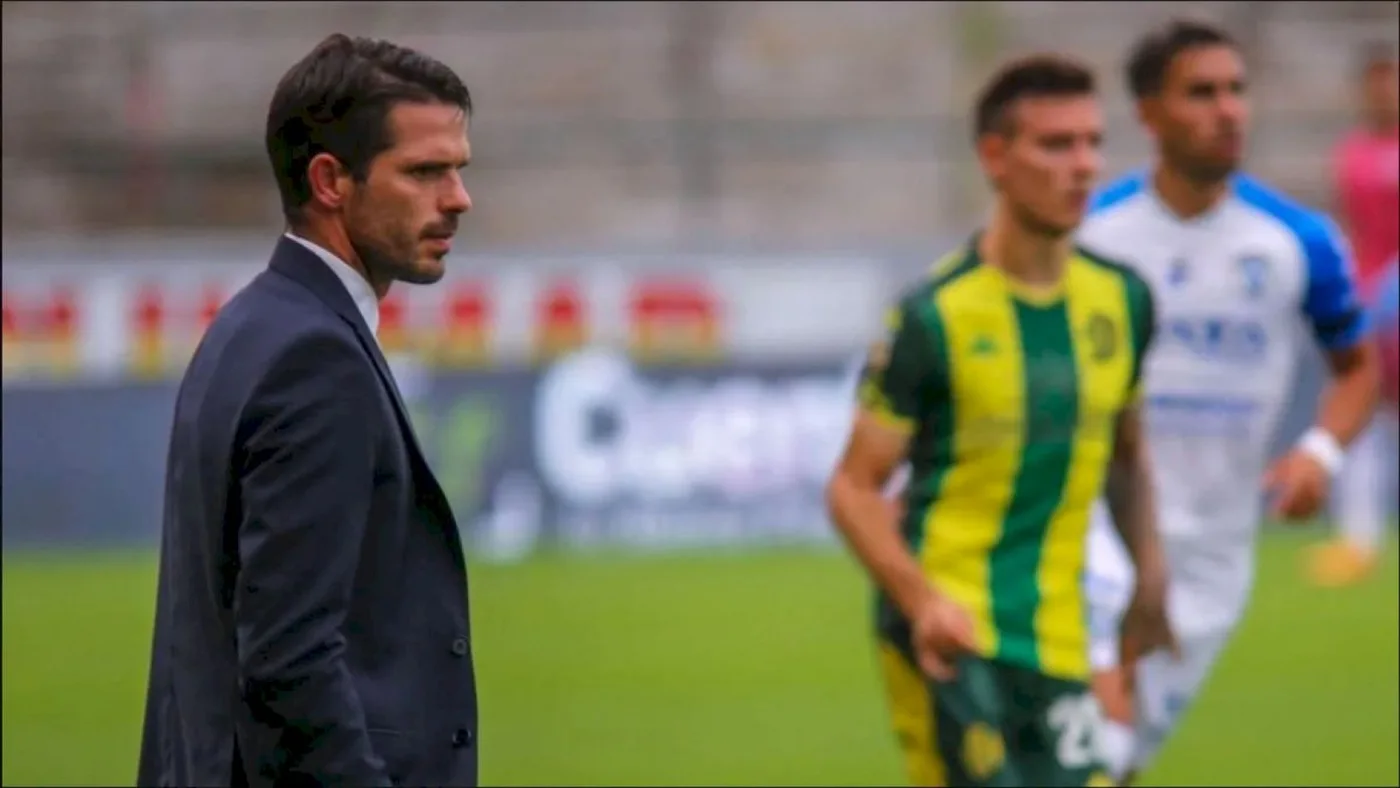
(311, 621)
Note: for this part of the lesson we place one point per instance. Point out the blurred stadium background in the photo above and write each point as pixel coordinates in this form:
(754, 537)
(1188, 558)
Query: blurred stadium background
(635, 379)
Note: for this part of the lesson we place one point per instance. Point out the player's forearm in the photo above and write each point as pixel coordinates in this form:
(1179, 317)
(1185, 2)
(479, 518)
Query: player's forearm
(1350, 399)
(1132, 498)
(866, 522)
(1133, 505)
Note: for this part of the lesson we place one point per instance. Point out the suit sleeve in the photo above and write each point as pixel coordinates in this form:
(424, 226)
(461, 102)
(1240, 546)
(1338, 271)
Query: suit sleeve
(306, 476)
(901, 372)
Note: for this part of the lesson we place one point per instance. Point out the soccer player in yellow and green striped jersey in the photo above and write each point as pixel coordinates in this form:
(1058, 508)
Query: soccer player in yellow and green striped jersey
(1008, 383)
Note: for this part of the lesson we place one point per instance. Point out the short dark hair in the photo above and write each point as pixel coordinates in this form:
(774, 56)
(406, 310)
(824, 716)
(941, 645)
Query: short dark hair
(1035, 76)
(337, 99)
(1154, 53)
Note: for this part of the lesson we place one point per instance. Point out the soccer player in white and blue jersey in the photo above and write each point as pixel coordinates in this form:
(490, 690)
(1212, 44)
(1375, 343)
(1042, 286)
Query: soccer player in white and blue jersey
(1234, 265)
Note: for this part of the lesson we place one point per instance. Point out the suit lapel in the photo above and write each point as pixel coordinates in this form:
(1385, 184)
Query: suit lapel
(299, 264)
(296, 262)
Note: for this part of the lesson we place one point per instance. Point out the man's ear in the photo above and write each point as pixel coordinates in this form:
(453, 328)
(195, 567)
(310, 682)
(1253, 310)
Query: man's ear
(329, 180)
(991, 151)
(1146, 110)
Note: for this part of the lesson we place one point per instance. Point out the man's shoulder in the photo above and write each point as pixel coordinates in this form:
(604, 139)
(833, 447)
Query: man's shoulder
(918, 298)
(1101, 260)
(1134, 284)
(1355, 145)
(270, 320)
(1311, 228)
(274, 308)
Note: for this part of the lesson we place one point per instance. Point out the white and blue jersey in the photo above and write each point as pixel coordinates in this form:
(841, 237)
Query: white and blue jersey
(1237, 290)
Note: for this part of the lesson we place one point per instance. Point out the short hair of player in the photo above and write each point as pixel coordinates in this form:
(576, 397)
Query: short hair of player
(1034, 76)
(337, 99)
(1154, 53)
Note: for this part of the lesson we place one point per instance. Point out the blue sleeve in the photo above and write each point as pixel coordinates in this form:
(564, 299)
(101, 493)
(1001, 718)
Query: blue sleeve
(1330, 302)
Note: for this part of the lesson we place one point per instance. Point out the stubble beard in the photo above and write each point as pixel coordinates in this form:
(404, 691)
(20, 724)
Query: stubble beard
(1197, 169)
(1032, 223)
(385, 267)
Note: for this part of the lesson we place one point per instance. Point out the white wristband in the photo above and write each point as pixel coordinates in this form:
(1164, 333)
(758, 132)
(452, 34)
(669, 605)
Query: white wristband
(1321, 446)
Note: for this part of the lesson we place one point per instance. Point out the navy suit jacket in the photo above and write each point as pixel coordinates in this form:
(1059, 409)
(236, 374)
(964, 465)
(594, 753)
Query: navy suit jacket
(311, 617)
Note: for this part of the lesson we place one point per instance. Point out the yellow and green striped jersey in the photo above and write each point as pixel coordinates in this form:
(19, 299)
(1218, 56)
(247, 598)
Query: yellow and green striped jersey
(1011, 401)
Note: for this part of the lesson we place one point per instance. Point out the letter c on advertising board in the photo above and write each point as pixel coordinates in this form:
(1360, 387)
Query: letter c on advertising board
(569, 391)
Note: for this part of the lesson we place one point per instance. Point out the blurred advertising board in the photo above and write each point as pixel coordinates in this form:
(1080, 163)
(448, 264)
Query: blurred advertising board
(94, 318)
(573, 400)
(590, 450)
(596, 451)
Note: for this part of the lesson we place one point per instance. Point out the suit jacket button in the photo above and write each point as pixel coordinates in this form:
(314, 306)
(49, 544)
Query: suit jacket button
(462, 738)
(460, 647)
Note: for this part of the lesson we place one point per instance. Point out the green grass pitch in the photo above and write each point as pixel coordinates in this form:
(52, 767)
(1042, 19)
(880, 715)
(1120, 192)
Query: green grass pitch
(716, 669)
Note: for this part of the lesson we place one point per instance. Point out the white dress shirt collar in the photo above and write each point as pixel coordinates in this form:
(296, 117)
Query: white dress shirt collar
(355, 284)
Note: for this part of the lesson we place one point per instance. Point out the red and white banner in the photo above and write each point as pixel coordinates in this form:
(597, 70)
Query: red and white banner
(674, 318)
(145, 322)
